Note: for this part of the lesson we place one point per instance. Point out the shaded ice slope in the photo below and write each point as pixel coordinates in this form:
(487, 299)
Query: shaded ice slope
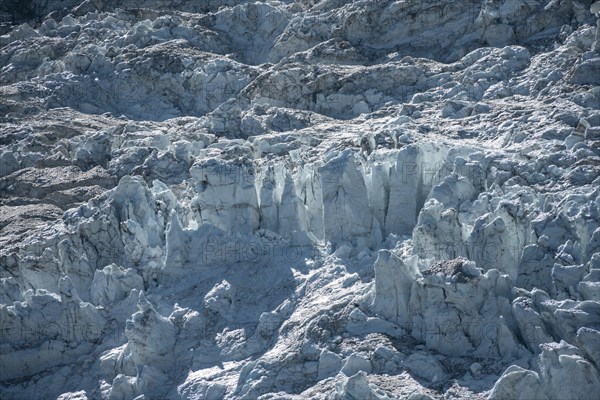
(352, 200)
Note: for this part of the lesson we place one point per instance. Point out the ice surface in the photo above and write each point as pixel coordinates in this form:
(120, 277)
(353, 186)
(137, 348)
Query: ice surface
(311, 199)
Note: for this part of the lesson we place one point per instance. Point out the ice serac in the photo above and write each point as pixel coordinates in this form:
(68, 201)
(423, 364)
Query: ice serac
(112, 284)
(452, 307)
(345, 202)
(394, 280)
(405, 191)
(548, 377)
(518, 383)
(280, 207)
(355, 387)
(46, 330)
(188, 249)
(225, 195)
(149, 349)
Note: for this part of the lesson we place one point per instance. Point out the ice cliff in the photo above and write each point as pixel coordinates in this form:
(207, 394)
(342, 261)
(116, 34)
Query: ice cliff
(300, 199)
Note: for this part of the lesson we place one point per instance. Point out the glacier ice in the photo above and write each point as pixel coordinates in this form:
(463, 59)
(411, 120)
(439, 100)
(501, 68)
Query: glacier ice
(333, 199)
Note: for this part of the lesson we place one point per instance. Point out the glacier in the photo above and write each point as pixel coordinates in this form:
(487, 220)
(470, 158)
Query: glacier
(334, 199)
